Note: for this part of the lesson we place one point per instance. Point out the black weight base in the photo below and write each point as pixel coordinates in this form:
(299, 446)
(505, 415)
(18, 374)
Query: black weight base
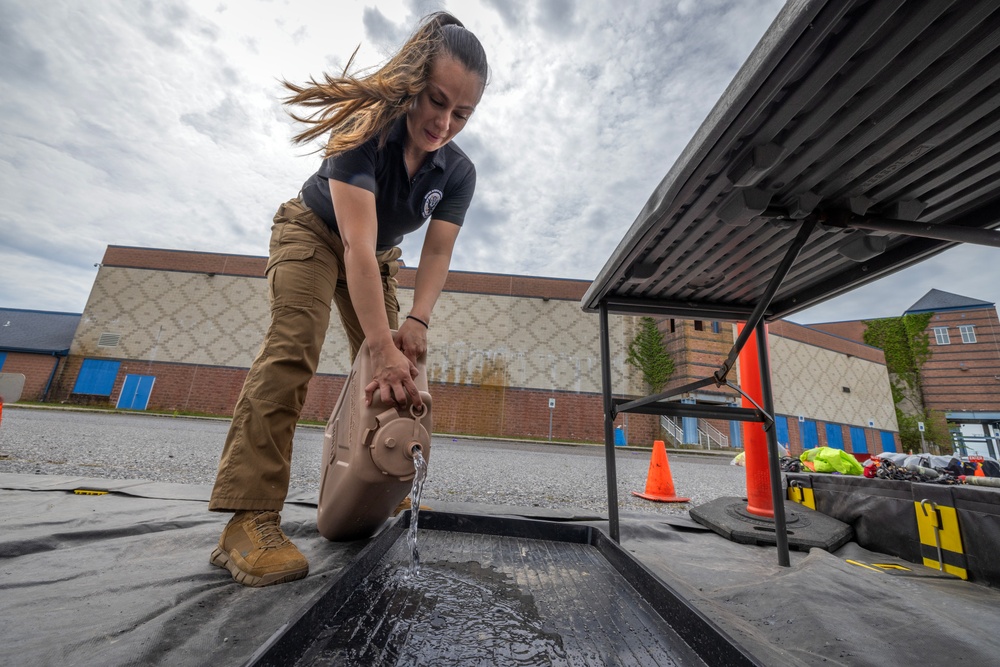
(806, 528)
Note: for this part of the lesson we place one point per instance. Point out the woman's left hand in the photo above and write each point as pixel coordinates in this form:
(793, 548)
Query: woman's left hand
(411, 339)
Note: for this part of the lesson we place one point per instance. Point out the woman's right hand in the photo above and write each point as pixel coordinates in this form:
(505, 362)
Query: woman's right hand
(393, 377)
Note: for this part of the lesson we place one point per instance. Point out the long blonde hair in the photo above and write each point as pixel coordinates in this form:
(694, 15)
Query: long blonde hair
(353, 109)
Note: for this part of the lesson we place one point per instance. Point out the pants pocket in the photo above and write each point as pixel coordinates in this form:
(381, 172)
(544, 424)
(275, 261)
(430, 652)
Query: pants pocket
(292, 276)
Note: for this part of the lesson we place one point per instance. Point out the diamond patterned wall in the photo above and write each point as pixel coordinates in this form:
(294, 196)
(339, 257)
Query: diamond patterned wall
(538, 344)
(809, 381)
(194, 318)
(172, 316)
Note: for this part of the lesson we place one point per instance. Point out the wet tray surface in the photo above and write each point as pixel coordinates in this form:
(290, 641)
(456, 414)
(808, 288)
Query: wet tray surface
(515, 592)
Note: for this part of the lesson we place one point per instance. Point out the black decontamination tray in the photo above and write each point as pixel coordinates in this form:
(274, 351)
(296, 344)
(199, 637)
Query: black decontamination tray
(498, 591)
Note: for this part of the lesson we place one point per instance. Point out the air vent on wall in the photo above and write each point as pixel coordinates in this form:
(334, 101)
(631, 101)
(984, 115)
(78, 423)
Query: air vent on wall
(109, 339)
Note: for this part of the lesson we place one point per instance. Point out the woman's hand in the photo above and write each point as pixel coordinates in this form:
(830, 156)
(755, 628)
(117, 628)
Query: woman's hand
(393, 377)
(411, 339)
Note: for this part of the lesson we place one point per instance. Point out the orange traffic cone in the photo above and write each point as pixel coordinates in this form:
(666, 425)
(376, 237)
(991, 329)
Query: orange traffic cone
(979, 471)
(659, 482)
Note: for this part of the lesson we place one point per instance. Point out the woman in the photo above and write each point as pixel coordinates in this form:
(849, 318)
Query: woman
(388, 167)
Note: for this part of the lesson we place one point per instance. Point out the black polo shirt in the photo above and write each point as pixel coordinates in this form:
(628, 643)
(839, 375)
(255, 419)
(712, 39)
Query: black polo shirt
(441, 189)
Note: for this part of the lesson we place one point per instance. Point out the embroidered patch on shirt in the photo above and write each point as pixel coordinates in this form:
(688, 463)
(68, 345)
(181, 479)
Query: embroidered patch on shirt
(431, 200)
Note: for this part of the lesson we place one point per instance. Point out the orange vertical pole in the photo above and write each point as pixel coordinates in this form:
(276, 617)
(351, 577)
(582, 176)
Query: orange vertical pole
(759, 500)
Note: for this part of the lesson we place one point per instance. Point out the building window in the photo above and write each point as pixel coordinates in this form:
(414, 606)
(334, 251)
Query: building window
(97, 377)
(968, 332)
(941, 336)
(699, 325)
(715, 327)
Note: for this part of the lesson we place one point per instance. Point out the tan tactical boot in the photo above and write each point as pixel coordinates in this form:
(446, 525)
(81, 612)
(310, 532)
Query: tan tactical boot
(406, 504)
(256, 552)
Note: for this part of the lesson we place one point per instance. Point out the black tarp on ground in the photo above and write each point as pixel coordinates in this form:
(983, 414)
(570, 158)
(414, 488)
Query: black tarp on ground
(124, 580)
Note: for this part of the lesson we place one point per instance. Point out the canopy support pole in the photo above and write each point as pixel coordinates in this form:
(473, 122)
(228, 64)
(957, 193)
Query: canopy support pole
(774, 470)
(609, 427)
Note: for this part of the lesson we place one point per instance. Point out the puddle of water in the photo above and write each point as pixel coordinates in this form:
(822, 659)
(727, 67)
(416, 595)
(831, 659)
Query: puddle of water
(458, 614)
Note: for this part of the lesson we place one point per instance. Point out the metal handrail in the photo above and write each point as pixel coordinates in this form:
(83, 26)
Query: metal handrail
(705, 438)
(672, 429)
(720, 437)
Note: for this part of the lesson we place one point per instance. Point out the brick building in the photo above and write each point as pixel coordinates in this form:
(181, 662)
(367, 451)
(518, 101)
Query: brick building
(828, 390)
(963, 372)
(834, 392)
(962, 376)
(33, 343)
(176, 330)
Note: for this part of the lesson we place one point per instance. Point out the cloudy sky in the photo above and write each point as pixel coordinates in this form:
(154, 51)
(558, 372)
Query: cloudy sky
(158, 123)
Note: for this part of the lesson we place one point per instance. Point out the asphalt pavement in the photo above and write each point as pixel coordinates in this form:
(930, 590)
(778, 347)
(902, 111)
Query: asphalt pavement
(186, 451)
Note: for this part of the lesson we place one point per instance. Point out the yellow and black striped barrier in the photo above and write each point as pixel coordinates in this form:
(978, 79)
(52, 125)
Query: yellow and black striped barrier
(940, 534)
(800, 491)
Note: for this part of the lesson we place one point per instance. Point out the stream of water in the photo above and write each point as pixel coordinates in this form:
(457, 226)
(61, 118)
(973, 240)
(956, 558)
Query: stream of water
(420, 465)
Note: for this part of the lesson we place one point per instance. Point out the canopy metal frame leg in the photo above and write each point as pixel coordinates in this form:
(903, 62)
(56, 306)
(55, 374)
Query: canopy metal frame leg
(609, 427)
(774, 469)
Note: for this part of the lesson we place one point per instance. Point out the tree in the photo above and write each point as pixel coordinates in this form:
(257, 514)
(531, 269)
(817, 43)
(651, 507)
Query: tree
(906, 345)
(647, 353)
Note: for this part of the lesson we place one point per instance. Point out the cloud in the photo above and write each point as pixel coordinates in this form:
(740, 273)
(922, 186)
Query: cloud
(587, 136)
(556, 16)
(381, 30)
(110, 162)
(510, 11)
(966, 270)
(224, 124)
(19, 58)
(166, 23)
(159, 124)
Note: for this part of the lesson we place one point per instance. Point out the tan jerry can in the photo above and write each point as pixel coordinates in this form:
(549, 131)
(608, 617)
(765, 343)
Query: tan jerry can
(368, 455)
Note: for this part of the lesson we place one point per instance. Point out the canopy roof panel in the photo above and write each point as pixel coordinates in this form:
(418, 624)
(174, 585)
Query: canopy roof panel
(849, 117)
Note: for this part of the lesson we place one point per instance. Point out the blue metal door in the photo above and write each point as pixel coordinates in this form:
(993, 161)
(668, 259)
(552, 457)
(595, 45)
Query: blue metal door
(690, 426)
(97, 377)
(810, 437)
(859, 443)
(135, 392)
(834, 436)
(735, 434)
(888, 442)
(781, 426)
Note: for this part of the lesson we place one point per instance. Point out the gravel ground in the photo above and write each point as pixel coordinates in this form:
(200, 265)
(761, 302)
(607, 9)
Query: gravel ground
(186, 451)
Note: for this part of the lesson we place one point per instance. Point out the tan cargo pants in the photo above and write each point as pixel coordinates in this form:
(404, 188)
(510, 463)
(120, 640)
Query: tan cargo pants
(305, 273)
